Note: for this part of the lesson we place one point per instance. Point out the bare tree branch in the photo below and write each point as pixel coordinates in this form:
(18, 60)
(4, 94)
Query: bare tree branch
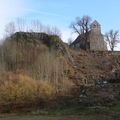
(112, 38)
(81, 25)
(10, 28)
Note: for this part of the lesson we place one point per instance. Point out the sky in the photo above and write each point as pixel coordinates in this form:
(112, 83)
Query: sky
(61, 13)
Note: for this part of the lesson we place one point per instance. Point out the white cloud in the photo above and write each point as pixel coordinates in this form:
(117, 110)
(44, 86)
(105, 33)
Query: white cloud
(9, 10)
(12, 9)
(68, 34)
(117, 48)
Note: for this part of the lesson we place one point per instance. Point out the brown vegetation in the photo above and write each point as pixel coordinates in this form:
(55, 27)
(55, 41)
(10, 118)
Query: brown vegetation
(36, 68)
(19, 89)
(33, 69)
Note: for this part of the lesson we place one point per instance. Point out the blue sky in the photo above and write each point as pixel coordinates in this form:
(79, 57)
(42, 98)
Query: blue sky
(61, 13)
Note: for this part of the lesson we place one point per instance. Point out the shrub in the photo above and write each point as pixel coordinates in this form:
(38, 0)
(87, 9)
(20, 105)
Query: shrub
(23, 89)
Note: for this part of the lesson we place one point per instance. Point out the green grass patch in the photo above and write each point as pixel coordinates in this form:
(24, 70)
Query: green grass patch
(116, 107)
(70, 111)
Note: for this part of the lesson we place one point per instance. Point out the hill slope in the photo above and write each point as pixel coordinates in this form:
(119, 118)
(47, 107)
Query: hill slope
(90, 67)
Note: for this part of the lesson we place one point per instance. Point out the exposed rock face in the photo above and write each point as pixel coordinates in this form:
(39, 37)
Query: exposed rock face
(95, 40)
(90, 67)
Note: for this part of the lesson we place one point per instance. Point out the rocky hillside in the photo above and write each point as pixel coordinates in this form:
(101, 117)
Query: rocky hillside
(85, 68)
(92, 67)
(38, 60)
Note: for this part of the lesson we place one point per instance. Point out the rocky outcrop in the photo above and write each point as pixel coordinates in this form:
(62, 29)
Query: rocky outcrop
(90, 67)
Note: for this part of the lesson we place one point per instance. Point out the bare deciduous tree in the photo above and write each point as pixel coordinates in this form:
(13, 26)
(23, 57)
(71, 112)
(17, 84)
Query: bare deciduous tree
(112, 38)
(48, 67)
(10, 28)
(52, 30)
(37, 26)
(81, 25)
(20, 23)
(56, 31)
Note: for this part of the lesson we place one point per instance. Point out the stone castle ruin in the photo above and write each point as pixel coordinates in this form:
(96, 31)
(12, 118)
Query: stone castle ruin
(95, 39)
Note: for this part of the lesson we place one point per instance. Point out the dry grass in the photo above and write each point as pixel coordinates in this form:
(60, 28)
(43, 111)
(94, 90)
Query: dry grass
(21, 89)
